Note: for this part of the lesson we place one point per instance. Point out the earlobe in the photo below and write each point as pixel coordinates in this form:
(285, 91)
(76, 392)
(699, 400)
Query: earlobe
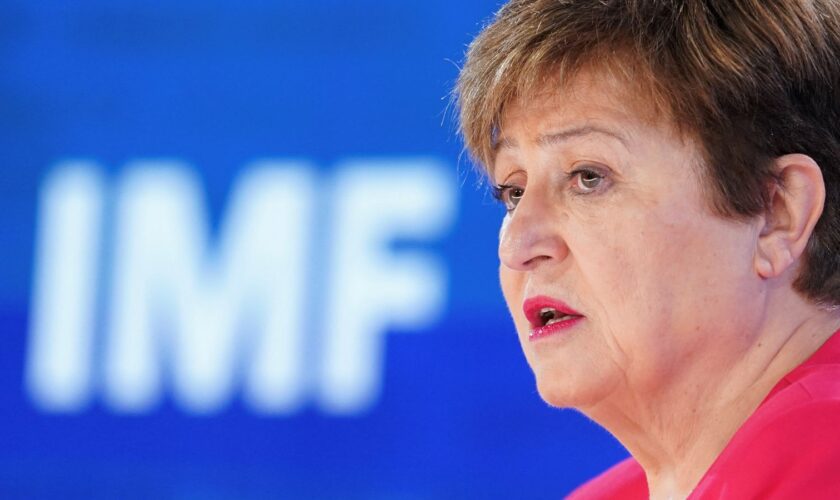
(774, 263)
(763, 266)
(796, 204)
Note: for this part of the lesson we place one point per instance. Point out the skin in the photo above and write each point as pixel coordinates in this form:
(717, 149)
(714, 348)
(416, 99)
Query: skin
(689, 318)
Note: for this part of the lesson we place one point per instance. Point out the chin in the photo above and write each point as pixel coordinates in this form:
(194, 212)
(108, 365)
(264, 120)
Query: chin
(562, 391)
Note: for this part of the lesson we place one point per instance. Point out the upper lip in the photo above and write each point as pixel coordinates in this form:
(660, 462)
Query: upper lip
(535, 305)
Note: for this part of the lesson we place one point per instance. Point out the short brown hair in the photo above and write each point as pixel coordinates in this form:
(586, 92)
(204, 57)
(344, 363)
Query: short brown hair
(751, 80)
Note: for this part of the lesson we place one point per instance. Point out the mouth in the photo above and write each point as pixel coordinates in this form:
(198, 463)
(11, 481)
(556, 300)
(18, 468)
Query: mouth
(549, 316)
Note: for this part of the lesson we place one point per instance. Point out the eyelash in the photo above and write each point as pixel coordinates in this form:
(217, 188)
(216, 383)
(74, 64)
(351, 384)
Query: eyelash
(503, 192)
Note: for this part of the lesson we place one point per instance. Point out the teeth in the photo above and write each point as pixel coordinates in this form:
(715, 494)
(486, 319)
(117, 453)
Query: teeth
(547, 314)
(557, 320)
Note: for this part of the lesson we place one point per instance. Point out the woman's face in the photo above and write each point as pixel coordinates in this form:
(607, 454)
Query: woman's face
(607, 215)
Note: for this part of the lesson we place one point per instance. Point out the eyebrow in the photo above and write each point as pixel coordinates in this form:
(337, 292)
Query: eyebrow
(554, 138)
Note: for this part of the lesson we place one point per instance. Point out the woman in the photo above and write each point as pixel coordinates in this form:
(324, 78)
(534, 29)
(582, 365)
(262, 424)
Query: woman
(671, 249)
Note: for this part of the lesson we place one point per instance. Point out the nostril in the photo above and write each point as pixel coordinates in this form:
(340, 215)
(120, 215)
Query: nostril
(536, 260)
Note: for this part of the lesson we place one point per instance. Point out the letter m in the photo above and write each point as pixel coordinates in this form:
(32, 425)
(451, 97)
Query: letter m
(180, 305)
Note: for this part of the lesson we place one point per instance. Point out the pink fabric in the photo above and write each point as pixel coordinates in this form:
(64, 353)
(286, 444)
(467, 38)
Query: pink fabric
(788, 448)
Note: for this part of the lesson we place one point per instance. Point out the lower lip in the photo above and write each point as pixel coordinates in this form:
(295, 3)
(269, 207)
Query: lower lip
(553, 329)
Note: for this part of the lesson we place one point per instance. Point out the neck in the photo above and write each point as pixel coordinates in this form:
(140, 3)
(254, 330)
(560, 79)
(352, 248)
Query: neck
(677, 432)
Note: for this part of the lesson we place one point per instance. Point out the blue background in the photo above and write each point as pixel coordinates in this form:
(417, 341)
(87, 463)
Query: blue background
(219, 84)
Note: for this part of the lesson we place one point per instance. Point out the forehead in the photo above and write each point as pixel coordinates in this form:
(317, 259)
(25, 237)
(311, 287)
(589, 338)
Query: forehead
(594, 106)
(592, 99)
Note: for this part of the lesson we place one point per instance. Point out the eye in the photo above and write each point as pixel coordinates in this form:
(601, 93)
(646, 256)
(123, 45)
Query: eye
(509, 195)
(586, 180)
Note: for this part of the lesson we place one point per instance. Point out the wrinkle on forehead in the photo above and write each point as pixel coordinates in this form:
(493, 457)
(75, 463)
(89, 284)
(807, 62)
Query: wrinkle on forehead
(625, 92)
(554, 137)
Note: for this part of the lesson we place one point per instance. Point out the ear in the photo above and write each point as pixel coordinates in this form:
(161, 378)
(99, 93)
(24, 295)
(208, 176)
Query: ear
(796, 204)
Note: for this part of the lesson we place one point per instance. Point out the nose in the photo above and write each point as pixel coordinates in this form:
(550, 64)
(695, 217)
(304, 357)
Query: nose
(532, 234)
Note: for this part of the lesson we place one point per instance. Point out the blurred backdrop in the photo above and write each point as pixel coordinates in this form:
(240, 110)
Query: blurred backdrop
(243, 256)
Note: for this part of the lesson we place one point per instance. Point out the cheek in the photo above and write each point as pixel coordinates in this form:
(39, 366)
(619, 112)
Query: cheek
(645, 256)
(627, 279)
(660, 282)
(609, 265)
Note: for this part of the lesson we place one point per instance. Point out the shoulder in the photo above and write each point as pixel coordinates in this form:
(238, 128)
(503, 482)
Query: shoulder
(791, 445)
(624, 480)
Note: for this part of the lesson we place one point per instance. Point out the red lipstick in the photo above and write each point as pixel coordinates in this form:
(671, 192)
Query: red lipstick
(549, 316)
